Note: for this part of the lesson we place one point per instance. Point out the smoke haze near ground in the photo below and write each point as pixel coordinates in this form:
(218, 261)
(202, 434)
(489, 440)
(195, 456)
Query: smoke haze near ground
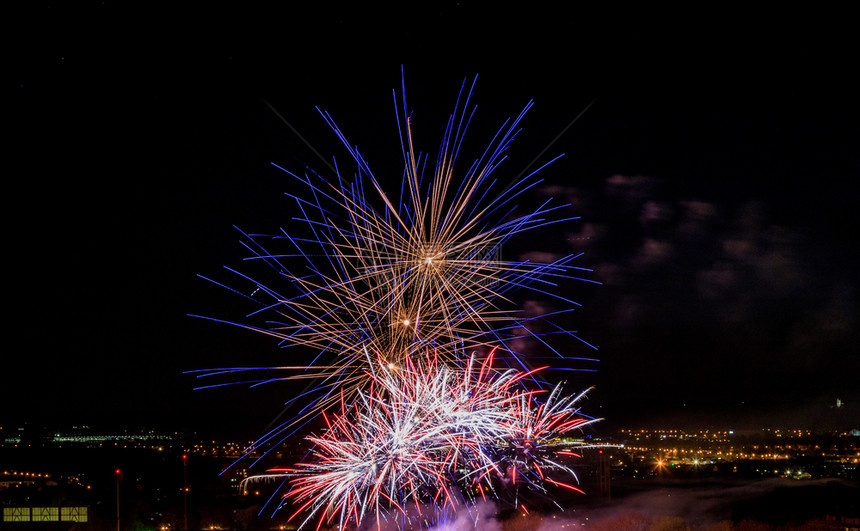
(703, 506)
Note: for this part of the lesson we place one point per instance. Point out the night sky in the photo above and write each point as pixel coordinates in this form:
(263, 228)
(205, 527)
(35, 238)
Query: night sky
(716, 174)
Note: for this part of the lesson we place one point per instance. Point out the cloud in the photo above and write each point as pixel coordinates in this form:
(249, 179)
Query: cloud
(478, 517)
(610, 274)
(697, 210)
(540, 257)
(653, 253)
(628, 312)
(739, 249)
(535, 308)
(745, 279)
(717, 282)
(655, 212)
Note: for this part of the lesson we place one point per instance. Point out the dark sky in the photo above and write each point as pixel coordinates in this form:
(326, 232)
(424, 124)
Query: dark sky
(716, 175)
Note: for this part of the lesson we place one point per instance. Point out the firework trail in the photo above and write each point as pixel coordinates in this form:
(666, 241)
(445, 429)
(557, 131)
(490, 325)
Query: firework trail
(394, 295)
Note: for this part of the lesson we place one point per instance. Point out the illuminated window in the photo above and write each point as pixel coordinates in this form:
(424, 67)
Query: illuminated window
(73, 514)
(16, 514)
(46, 514)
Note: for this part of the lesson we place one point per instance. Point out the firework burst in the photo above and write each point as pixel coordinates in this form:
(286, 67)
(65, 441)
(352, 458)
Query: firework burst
(394, 275)
(426, 431)
(395, 295)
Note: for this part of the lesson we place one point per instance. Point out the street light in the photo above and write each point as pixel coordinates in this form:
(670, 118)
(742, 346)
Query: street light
(184, 489)
(118, 474)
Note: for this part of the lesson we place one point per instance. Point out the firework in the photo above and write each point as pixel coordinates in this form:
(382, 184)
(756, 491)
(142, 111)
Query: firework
(395, 296)
(394, 276)
(430, 432)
